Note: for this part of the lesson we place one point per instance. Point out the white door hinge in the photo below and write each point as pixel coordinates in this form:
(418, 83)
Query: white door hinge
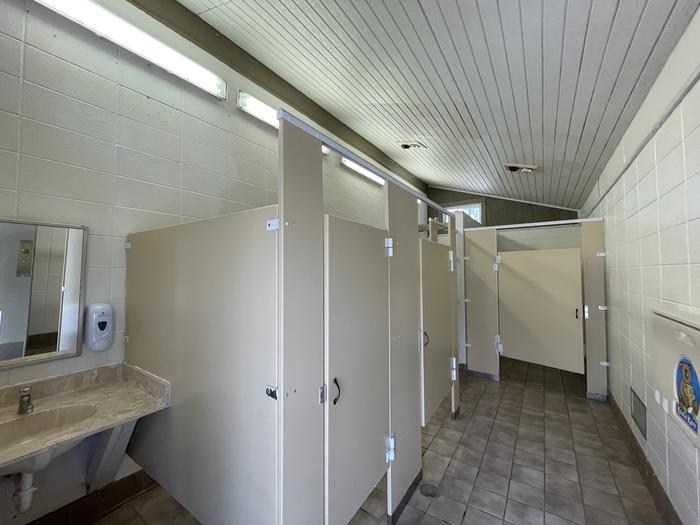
(127, 246)
(467, 300)
(585, 311)
(604, 363)
(272, 225)
(497, 263)
(600, 254)
(322, 394)
(497, 342)
(468, 345)
(453, 369)
(451, 258)
(389, 245)
(390, 448)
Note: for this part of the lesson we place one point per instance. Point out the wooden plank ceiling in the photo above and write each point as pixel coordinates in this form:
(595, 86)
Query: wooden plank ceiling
(553, 83)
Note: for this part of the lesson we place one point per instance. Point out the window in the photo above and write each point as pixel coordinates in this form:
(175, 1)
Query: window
(473, 210)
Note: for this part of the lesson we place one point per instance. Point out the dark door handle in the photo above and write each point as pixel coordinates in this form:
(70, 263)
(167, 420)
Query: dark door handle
(576, 313)
(426, 338)
(337, 385)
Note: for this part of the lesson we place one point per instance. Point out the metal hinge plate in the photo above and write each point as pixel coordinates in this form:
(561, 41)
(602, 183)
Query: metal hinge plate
(389, 245)
(453, 369)
(390, 448)
(600, 254)
(271, 391)
(451, 258)
(585, 311)
(322, 394)
(272, 225)
(127, 246)
(604, 363)
(499, 345)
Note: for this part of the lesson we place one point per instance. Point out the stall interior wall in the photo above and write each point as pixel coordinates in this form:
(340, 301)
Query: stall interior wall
(652, 241)
(91, 134)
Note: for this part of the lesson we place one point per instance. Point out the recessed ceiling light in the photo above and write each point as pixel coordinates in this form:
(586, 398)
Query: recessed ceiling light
(514, 167)
(410, 144)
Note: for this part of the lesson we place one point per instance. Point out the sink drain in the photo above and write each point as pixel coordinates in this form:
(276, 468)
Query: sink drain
(429, 490)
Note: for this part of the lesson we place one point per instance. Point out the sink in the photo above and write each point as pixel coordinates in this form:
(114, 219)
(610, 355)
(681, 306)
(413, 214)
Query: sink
(28, 427)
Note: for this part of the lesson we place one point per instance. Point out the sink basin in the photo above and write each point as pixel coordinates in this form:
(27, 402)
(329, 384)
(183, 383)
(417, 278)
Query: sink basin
(25, 428)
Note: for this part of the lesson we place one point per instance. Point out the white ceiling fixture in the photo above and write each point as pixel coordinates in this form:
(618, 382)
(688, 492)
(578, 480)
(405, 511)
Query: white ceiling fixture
(514, 167)
(546, 82)
(106, 24)
(354, 166)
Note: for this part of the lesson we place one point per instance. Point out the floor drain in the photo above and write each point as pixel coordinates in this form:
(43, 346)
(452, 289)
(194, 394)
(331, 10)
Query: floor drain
(429, 490)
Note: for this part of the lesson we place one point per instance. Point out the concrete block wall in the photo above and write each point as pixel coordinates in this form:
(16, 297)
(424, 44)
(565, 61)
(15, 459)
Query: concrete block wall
(91, 134)
(652, 242)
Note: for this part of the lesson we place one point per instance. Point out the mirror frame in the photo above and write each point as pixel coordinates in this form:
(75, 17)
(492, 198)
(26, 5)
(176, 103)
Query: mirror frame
(55, 355)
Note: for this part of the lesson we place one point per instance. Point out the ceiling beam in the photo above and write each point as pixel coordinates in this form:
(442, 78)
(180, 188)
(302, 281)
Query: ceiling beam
(188, 25)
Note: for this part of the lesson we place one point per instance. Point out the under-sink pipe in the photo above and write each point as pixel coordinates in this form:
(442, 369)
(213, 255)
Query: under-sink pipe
(25, 493)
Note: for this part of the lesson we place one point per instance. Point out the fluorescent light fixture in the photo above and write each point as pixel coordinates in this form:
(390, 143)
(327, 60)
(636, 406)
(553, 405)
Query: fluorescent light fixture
(106, 24)
(257, 109)
(354, 166)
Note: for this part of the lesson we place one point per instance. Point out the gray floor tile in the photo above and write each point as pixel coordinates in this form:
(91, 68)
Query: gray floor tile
(447, 509)
(488, 501)
(602, 500)
(553, 519)
(560, 454)
(493, 482)
(563, 470)
(363, 517)
(125, 515)
(520, 514)
(634, 491)
(468, 455)
(375, 504)
(528, 459)
(443, 446)
(410, 516)
(641, 514)
(599, 480)
(496, 466)
(563, 487)
(528, 476)
(475, 516)
(462, 471)
(456, 489)
(449, 434)
(595, 516)
(526, 494)
(564, 507)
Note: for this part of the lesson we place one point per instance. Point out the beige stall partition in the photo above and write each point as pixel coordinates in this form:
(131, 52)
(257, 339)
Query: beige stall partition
(300, 327)
(482, 294)
(201, 313)
(438, 292)
(356, 316)
(593, 259)
(404, 322)
(541, 312)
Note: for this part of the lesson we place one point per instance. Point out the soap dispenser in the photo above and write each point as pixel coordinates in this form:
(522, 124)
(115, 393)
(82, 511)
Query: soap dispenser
(99, 327)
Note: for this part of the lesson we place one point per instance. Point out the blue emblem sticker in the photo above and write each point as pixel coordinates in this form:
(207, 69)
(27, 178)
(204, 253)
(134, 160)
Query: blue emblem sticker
(687, 390)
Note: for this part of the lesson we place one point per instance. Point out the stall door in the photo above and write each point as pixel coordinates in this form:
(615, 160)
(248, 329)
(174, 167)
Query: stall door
(541, 315)
(438, 293)
(356, 296)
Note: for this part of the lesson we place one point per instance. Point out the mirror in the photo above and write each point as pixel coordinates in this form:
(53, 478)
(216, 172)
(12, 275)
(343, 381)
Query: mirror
(41, 275)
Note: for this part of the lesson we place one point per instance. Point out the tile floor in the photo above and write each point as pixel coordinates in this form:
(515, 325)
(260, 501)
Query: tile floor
(530, 449)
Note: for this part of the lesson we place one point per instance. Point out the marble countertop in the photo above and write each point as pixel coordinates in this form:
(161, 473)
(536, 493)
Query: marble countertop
(119, 393)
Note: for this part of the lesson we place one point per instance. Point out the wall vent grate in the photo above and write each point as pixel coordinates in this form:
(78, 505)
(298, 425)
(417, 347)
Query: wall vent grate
(638, 411)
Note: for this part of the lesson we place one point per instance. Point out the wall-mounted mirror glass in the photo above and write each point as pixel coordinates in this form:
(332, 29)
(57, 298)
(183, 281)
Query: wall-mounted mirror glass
(41, 276)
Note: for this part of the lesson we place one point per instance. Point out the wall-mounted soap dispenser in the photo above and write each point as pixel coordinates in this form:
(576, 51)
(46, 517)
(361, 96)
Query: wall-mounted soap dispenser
(99, 327)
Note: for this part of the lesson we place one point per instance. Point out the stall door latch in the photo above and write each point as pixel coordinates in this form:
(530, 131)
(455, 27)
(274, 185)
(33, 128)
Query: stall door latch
(390, 448)
(271, 391)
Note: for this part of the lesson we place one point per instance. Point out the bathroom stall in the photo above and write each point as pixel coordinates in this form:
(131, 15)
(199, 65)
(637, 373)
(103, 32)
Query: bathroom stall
(535, 293)
(291, 340)
(438, 314)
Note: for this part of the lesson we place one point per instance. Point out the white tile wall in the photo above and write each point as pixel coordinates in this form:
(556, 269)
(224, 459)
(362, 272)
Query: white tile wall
(90, 134)
(652, 237)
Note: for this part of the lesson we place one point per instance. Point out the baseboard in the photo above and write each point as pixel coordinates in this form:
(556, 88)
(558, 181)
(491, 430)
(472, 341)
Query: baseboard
(393, 518)
(661, 499)
(92, 507)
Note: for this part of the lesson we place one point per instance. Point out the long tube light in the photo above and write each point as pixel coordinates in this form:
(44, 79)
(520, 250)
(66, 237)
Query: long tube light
(261, 111)
(106, 24)
(354, 166)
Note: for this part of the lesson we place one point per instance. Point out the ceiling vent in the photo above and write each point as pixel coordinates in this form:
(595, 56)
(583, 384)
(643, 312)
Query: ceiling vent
(522, 168)
(411, 144)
